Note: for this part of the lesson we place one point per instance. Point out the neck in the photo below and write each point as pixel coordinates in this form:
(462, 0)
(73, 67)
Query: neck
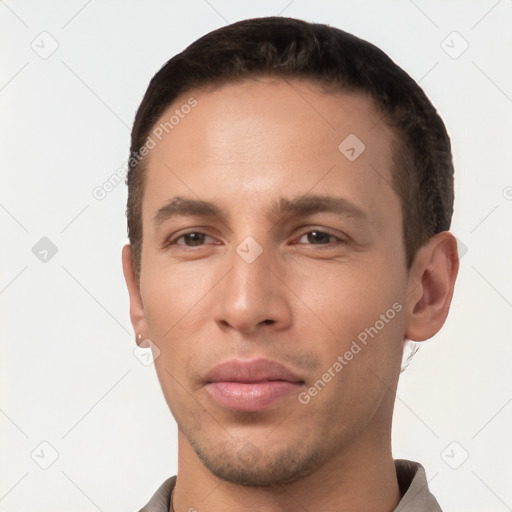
(360, 478)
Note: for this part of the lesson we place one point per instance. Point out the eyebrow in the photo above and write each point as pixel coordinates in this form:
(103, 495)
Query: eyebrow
(300, 206)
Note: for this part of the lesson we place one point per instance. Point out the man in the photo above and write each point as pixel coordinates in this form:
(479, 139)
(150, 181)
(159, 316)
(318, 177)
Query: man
(290, 192)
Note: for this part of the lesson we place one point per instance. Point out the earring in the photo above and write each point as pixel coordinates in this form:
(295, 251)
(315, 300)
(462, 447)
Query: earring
(139, 336)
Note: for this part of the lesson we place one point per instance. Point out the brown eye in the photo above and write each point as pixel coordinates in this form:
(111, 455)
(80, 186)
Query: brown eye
(317, 237)
(320, 237)
(191, 239)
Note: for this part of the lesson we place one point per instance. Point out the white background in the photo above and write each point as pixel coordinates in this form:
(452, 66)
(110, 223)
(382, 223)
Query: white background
(67, 371)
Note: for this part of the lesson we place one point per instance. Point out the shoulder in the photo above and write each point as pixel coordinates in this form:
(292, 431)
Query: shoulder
(161, 500)
(416, 496)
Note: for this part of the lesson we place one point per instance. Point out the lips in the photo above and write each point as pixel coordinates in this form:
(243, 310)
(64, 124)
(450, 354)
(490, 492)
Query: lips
(254, 385)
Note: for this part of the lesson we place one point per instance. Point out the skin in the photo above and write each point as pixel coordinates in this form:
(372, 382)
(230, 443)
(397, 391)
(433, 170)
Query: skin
(301, 302)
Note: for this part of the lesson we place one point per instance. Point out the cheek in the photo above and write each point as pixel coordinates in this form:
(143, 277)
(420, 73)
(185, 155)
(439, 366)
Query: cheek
(176, 310)
(345, 299)
(358, 324)
(172, 298)
(355, 314)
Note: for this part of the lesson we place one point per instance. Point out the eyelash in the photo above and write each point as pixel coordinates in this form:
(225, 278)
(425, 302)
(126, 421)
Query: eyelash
(173, 241)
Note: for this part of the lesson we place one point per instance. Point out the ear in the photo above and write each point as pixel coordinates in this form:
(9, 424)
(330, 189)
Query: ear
(137, 315)
(430, 288)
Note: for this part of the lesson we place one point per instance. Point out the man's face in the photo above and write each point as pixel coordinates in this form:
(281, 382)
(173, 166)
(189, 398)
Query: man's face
(275, 274)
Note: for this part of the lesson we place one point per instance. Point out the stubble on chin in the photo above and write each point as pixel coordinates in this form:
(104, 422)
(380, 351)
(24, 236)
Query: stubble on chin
(242, 463)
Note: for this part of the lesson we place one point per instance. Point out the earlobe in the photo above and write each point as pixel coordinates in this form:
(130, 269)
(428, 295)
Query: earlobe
(431, 284)
(137, 314)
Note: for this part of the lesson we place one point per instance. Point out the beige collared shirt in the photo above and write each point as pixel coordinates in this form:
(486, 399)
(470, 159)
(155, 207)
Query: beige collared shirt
(412, 480)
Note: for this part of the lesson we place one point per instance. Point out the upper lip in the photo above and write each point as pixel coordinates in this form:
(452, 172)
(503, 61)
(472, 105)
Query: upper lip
(256, 370)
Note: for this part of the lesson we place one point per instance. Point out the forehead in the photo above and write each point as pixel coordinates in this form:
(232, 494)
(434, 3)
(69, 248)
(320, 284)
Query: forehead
(240, 140)
(265, 107)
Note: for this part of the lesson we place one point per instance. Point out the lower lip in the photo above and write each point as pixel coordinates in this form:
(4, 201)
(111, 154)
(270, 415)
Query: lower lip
(251, 396)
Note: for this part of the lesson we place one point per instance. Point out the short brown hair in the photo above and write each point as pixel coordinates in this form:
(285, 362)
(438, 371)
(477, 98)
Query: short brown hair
(287, 48)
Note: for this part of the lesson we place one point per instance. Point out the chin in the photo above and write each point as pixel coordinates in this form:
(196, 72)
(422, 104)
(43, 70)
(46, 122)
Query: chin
(250, 467)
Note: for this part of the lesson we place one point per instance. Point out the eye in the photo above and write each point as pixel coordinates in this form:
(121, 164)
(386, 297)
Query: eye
(317, 237)
(192, 239)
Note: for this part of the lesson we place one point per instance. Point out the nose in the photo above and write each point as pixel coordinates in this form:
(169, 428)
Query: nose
(252, 295)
